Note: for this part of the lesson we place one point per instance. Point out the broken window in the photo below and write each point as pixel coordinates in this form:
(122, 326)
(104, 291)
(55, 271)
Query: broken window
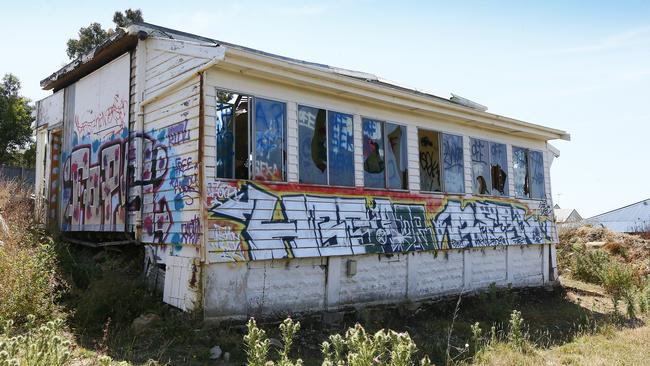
(498, 169)
(429, 148)
(452, 158)
(488, 168)
(312, 136)
(528, 169)
(340, 148)
(250, 136)
(326, 147)
(437, 177)
(384, 155)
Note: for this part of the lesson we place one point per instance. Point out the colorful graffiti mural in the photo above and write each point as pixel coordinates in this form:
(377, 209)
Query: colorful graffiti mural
(257, 222)
(94, 150)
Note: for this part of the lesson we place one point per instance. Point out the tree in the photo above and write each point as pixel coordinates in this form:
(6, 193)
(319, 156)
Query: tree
(15, 119)
(93, 35)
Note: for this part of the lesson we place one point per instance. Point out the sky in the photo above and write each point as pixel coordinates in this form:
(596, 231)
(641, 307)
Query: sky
(580, 66)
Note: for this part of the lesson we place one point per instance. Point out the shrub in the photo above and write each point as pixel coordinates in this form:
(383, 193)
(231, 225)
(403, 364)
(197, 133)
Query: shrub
(30, 283)
(588, 264)
(355, 348)
(38, 346)
(516, 335)
(618, 282)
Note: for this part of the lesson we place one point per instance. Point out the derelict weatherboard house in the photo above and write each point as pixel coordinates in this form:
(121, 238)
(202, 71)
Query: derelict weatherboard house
(262, 184)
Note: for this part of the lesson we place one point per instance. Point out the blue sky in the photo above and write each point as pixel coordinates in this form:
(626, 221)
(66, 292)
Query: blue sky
(582, 66)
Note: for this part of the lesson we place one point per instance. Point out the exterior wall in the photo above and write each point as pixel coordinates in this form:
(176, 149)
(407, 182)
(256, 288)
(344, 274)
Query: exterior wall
(95, 138)
(306, 284)
(291, 242)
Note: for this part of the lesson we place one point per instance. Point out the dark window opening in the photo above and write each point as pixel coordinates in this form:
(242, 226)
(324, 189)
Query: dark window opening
(384, 155)
(528, 170)
(488, 168)
(441, 162)
(250, 136)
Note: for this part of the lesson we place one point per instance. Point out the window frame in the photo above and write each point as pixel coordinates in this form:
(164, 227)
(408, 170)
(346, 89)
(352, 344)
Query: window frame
(443, 189)
(508, 177)
(528, 171)
(251, 128)
(327, 142)
(384, 139)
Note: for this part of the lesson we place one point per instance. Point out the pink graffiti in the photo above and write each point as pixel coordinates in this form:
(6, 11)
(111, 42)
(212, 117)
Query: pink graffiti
(95, 194)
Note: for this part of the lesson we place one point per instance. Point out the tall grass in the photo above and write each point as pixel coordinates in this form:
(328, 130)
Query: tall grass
(29, 281)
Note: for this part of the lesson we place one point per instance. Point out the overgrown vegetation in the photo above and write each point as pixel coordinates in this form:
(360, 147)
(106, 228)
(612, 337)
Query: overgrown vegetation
(63, 304)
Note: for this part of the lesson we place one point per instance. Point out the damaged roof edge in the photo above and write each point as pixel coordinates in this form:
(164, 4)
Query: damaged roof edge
(121, 41)
(126, 39)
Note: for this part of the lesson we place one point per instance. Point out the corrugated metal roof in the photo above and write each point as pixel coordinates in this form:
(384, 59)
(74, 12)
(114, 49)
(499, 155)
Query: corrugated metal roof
(630, 218)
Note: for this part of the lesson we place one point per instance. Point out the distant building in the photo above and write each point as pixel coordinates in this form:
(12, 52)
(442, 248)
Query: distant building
(566, 217)
(634, 218)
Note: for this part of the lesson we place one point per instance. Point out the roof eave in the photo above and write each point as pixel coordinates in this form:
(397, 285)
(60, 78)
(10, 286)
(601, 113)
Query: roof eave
(122, 41)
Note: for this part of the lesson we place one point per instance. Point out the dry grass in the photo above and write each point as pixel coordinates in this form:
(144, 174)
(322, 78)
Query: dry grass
(29, 282)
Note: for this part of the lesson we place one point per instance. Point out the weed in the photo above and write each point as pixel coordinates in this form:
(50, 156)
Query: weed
(588, 264)
(516, 335)
(37, 346)
(618, 282)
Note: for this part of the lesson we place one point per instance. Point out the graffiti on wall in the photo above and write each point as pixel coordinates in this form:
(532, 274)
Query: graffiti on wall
(275, 221)
(94, 151)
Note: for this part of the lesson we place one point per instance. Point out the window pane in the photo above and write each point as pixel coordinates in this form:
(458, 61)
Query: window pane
(452, 158)
(396, 159)
(481, 176)
(429, 161)
(498, 159)
(312, 136)
(269, 140)
(340, 149)
(520, 171)
(536, 175)
(374, 164)
(232, 135)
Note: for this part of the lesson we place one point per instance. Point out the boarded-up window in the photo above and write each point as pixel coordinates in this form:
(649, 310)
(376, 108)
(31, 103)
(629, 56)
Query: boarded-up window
(312, 136)
(384, 155)
(340, 148)
(489, 168)
(429, 148)
(528, 166)
(452, 158)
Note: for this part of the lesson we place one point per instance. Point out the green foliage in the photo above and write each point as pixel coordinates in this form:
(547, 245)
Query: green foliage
(37, 346)
(517, 338)
(588, 264)
(355, 348)
(29, 281)
(617, 280)
(94, 35)
(15, 118)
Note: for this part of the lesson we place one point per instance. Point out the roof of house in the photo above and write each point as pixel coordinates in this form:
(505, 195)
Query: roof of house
(565, 215)
(125, 39)
(631, 218)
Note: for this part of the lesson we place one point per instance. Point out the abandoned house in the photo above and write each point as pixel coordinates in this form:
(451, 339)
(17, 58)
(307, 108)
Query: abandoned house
(260, 184)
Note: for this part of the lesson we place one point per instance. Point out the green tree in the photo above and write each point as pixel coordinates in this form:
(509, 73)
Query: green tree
(15, 118)
(93, 35)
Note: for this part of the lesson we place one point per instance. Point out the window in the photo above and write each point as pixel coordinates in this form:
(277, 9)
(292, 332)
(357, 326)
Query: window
(326, 147)
(528, 170)
(250, 137)
(384, 155)
(488, 168)
(441, 162)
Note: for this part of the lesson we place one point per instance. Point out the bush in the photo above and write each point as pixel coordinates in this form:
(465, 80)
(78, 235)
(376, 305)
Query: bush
(355, 348)
(37, 346)
(588, 264)
(30, 283)
(618, 282)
